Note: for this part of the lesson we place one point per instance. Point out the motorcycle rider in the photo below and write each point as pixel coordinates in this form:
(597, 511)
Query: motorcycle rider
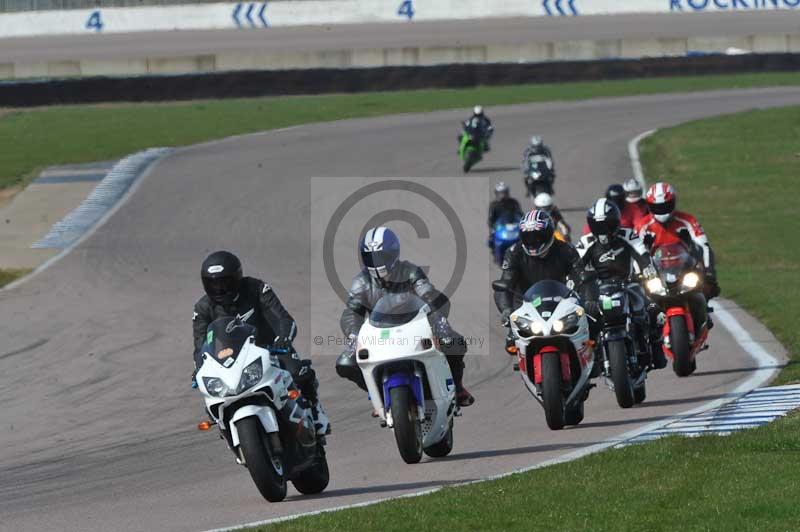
(666, 225)
(538, 147)
(537, 256)
(383, 272)
(504, 207)
(615, 193)
(615, 253)
(544, 202)
(480, 122)
(635, 210)
(228, 293)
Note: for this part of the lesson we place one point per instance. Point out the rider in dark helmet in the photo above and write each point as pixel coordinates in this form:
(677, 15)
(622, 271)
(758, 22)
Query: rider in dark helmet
(253, 301)
(384, 273)
(504, 208)
(614, 194)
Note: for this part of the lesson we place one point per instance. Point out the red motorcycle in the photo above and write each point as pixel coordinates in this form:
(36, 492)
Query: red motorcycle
(678, 290)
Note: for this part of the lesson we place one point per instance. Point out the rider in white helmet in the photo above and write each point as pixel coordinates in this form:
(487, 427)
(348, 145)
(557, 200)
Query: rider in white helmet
(544, 202)
(538, 147)
(480, 121)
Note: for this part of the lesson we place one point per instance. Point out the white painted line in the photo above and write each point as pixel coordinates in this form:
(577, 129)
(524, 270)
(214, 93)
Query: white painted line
(764, 360)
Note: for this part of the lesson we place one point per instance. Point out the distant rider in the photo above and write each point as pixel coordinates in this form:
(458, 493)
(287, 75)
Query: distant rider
(538, 256)
(544, 202)
(666, 225)
(503, 209)
(635, 210)
(480, 122)
(228, 294)
(614, 253)
(383, 272)
(538, 147)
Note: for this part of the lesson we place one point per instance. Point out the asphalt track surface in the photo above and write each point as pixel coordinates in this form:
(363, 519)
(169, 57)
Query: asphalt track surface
(98, 420)
(417, 34)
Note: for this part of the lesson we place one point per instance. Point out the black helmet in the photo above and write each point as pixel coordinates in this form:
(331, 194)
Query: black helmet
(603, 219)
(380, 250)
(537, 233)
(616, 194)
(222, 276)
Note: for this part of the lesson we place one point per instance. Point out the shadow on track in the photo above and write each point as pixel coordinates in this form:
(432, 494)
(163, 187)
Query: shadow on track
(618, 422)
(494, 169)
(473, 455)
(343, 492)
(736, 370)
(687, 400)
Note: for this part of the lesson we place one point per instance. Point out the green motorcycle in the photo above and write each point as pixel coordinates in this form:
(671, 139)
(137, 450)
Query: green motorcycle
(472, 147)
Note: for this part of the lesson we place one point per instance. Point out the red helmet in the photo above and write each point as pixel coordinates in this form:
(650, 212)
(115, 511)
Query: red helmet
(661, 200)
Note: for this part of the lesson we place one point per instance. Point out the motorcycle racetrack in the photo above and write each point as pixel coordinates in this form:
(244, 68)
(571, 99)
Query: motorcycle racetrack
(98, 416)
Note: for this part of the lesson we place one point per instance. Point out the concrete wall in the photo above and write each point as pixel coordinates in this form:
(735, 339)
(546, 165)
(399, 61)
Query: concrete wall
(323, 12)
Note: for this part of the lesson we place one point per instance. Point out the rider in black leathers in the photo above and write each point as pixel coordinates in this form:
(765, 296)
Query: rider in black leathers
(503, 208)
(481, 122)
(614, 253)
(229, 294)
(385, 273)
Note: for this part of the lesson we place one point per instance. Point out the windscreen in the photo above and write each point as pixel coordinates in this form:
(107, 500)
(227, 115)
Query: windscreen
(396, 309)
(672, 258)
(225, 338)
(546, 295)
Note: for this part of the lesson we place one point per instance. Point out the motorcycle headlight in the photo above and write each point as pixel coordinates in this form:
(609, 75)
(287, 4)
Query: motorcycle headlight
(691, 280)
(569, 324)
(526, 327)
(215, 387)
(655, 286)
(251, 375)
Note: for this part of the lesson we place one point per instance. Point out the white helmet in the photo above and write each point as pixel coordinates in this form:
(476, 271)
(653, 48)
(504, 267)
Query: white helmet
(633, 190)
(478, 110)
(543, 201)
(536, 141)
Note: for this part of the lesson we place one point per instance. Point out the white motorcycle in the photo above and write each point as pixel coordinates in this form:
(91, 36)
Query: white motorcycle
(260, 413)
(555, 355)
(408, 378)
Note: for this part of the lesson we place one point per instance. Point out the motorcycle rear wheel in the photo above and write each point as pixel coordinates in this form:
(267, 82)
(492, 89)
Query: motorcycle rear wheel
(265, 468)
(574, 414)
(407, 429)
(314, 479)
(552, 396)
(442, 448)
(620, 376)
(682, 365)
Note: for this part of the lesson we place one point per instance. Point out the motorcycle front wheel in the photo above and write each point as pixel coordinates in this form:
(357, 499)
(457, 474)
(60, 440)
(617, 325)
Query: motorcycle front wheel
(679, 341)
(552, 396)
(264, 466)
(620, 376)
(407, 429)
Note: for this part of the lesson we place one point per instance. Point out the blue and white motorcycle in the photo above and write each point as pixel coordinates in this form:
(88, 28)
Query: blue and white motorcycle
(408, 377)
(504, 236)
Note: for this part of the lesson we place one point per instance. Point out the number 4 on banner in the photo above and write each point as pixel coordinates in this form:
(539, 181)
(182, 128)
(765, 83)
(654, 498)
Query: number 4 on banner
(406, 9)
(95, 22)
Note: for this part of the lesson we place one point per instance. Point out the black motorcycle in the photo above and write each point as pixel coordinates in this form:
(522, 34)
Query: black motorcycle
(539, 175)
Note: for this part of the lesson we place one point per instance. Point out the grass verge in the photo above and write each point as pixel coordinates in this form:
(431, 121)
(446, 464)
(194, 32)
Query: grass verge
(7, 276)
(79, 134)
(739, 174)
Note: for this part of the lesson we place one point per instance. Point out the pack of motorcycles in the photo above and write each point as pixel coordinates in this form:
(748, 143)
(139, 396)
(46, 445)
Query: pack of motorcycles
(269, 427)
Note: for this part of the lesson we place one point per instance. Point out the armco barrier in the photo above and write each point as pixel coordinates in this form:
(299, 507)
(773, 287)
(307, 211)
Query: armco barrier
(263, 14)
(320, 81)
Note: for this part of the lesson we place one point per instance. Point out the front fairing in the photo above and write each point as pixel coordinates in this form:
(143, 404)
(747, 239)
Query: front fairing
(506, 232)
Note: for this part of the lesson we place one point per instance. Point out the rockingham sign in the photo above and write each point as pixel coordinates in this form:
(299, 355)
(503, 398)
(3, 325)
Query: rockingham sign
(261, 16)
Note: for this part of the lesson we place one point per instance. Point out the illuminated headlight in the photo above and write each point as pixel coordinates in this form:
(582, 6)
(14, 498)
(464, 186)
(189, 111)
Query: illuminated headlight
(527, 327)
(536, 327)
(691, 280)
(655, 286)
(569, 324)
(215, 387)
(558, 326)
(251, 375)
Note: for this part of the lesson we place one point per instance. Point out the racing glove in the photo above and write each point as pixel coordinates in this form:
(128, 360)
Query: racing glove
(282, 344)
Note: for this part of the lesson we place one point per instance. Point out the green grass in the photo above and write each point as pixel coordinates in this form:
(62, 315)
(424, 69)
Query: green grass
(77, 134)
(6, 276)
(739, 175)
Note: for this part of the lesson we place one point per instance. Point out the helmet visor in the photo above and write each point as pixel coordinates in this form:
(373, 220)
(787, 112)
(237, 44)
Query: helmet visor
(536, 242)
(221, 289)
(662, 208)
(604, 227)
(379, 259)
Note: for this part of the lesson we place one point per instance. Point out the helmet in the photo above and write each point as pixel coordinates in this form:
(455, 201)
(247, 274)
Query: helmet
(661, 199)
(222, 277)
(543, 201)
(616, 194)
(633, 190)
(477, 110)
(603, 219)
(536, 141)
(500, 190)
(536, 232)
(380, 250)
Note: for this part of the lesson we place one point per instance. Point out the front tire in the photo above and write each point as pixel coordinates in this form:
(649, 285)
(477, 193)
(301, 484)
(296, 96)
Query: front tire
(265, 468)
(679, 340)
(314, 479)
(407, 429)
(470, 158)
(623, 386)
(552, 396)
(443, 447)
